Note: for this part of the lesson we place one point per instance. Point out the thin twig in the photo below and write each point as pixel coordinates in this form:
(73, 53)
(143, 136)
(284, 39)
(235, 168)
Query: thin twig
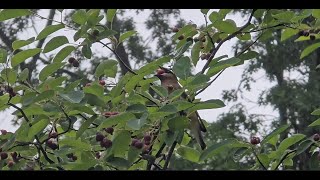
(283, 158)
(169, 155)
(205, 18)
(259, 160)
(148, 99)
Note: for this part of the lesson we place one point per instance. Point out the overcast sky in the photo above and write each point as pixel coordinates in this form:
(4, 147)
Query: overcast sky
(228, 80)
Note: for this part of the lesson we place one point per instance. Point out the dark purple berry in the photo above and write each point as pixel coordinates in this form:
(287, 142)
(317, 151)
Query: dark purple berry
(14, 155)
(75, 63)
(109, 130)
(255, 140)
(71, 60)
(106, 143)
(316, 137)
(95, 33)
(3, 132)
(99, 136)
(74, 158)
(53, 135)
(70, 155)
(181, 37)
(175, 29)
(138, 145)
(147, 137)
(147, 143)
(4, 155)
(134, 141)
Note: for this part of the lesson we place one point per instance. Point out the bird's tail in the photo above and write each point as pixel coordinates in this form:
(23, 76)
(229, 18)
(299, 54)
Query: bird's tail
(196, 131)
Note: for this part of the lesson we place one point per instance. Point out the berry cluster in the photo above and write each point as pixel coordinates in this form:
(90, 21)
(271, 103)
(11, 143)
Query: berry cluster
(103, 139)
(72, 157)
(52, 143)
(142, 144)
(74, 62)
(255, 140)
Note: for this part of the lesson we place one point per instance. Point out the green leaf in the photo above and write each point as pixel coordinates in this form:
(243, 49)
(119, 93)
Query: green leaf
(79, 17)
(126, 35)
(136, 124)
(227, 26)
(120, 143)
(248, 55)
(75, 143)
(86, 51)
(199, 79)
(264, 159)
(106, 33)
(6, 14)
(275, 133)
(94, 89)
(72, 85)
(316, 112)
(189, 154)
(133, 154)
(110, 15)
(182, 67)
(137, 108)
(38, 127)
(204, 11)
(214, 16)
(123, 117)
(161, 91)
(49, 30)
(93, 17)
(315, 123)
(210, 104)
(284, 16)
(3, 55)
(316, 13)
(178, 123)
(63, 53)
(182, 49)
(152, 66)
(9, 75)
(20, 43)
(55, 43)
(222, 65)
(44, 95)
(49, 69)
(107, 65)
(176, 94)
(118, 162)
(286, 143)
(184, 30)
(84, 126)
(82, 108)
(73, 96)
(195, 53)
(24, 74)
(133, 82)
(303, 146)
(287, 33)
(309, 50)
(23, 55)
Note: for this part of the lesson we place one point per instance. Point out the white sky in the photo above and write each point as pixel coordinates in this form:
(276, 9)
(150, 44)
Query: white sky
(229, 79)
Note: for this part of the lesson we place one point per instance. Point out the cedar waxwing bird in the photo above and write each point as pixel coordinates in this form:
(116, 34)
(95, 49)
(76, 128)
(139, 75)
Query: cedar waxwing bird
(170, 81)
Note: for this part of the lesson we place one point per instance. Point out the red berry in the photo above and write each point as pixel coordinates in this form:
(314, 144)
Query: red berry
(175, 29)
(75, 63)
(138, 145)
(99, 137)
(109, 130)
(88, 84)
(255, 140)
(3, 132)
(316, 137)
(102, 82)
(71, 60)
(147, 137)
(114, 113)
(4, 155)
(53, 135)
(181, 37)
(10, 164)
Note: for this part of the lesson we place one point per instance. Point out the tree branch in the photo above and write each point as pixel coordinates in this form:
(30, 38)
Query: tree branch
(169, 155)
(259, 160)
(283, 158)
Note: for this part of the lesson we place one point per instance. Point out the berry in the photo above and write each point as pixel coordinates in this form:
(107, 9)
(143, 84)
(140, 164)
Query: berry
(109, 130)
(181, 37)
(138, 145)
(190, 39)
(9, 89)
(74, 158)
(71, 60)
(175, 29)
(102, 82)
(3, 131)
(203, 39)
(203, 56)
(12, 94)
(306, 33)
(312, 37)
(316, 137)
(53, 135)
(4, 155)
(98, 155)
(52, 144)
(255, 140)
(106, 143)
(10, 164)
(134, 141)
(147, 143)
(95, 33)
(99, 137)
(300, 33)
(70, 155)
(208, 56)
(14, 155)
(75, 63)
(147, 137)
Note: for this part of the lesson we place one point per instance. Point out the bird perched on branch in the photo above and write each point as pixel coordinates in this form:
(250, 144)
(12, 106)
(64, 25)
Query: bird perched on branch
(170, 81)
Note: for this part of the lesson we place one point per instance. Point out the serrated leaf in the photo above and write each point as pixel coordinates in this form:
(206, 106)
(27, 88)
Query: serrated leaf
(264, 159)
(63, 53)
(105, 65)
(38, 127)
(275, 133)
(49, 30)
(182, 67)
(315, 123)
(55, 43)
(9, 75)
(126, 35)
(85, 125)
(3, 55)
(195, 52)
(7, 14)
(86, 51)
(210, 104)
(137, 108)
(309, 50)
(23, 55)
(133, 154)
(49, 69)
(110, 14)
(287, 33)
(20, 43)
(79, 17)
(199, 79)
(176, 94)
(189, 154)
(24, 74)
(72, 96)
(122, 117)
